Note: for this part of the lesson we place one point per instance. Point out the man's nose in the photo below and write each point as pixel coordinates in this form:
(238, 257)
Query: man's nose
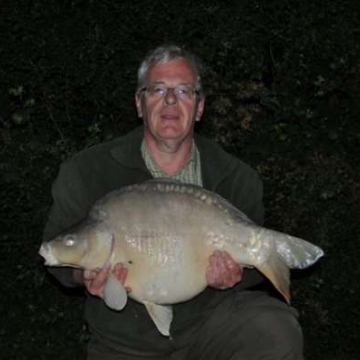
(170, 97)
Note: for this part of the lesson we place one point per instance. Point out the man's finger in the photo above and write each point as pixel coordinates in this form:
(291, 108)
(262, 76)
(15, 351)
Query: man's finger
(102, 275)
(121, 272)
(95, 285)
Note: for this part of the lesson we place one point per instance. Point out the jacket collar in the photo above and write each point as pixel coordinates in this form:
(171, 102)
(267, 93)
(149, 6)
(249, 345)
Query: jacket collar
(216, 163)
(127, 151)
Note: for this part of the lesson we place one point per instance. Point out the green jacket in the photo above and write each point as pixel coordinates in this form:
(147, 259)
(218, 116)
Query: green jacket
(95, 171)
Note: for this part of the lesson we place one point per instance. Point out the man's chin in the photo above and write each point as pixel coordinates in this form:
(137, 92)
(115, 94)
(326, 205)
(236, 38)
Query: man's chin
(171, 132)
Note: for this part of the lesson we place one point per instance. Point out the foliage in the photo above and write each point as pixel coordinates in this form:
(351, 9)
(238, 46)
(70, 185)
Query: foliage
(282, 81)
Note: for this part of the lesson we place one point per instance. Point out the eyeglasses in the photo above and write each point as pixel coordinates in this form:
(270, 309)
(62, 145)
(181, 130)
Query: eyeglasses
(182, 92)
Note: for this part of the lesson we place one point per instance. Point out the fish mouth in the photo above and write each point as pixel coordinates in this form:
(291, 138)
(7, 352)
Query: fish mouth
(46, 253)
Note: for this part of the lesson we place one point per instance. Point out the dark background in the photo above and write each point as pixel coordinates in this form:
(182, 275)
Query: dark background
(282, 83)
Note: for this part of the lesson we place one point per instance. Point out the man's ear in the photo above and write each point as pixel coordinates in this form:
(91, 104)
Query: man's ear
(200, 109)
(138, 104)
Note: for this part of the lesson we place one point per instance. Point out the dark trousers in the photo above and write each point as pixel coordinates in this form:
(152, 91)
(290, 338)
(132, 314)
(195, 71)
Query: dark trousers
(250, 325)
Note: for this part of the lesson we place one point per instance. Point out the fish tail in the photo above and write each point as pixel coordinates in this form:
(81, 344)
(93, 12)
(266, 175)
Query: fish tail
(295, 252)
(277, 271)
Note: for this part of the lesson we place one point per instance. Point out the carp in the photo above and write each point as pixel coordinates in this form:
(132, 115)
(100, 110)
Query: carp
(165, 232)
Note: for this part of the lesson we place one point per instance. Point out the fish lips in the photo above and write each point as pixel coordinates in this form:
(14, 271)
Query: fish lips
(46, 253)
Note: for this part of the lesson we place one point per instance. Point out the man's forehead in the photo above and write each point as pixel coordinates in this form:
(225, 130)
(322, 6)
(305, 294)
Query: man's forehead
(173, 70)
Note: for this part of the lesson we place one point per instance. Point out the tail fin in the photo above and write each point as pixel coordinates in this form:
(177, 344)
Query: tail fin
(291, 252)
(276, 270)
(297, 253)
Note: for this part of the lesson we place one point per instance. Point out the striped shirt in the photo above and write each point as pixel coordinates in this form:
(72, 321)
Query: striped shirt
(190, 173)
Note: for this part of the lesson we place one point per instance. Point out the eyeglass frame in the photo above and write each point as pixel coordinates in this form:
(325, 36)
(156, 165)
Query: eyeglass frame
(173, 88)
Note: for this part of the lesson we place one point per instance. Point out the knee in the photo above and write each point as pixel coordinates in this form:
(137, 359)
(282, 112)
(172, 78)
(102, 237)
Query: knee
(279, 333)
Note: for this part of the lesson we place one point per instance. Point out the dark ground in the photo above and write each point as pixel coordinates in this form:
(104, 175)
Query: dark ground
(282, 83)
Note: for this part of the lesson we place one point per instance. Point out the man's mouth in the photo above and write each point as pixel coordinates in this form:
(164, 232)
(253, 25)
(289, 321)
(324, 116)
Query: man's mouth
(170, 117)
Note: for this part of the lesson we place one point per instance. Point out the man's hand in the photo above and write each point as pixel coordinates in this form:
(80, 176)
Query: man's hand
(223, 272)
(95, 280)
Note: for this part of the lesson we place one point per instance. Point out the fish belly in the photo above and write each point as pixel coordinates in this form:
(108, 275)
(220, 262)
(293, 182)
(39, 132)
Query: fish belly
(165, 267)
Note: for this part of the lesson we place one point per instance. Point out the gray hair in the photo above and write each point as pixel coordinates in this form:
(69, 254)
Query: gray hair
(166, 53)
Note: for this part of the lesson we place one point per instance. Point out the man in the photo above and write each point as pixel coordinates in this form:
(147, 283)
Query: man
(238, 322)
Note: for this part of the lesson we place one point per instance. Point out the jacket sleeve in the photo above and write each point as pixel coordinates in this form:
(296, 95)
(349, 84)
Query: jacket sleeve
(70, 205)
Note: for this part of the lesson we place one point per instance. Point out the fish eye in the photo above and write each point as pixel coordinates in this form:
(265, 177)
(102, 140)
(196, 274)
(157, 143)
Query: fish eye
(69, 240)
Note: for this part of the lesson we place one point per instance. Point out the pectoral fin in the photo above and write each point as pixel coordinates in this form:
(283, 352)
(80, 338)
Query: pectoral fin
(161, 315)
(115, 295)
(276, 270)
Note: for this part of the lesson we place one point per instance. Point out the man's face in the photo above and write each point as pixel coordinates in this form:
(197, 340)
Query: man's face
(169, 117)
